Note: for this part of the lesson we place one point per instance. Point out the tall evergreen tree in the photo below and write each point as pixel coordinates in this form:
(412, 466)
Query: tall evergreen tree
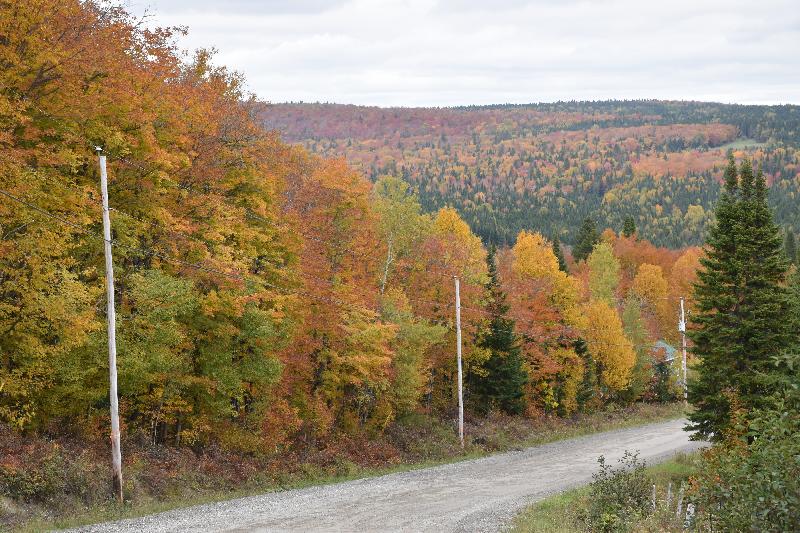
(588, 396)
(504, 379)
(794, 303)
(587, 238)
(791, 247)
(742, 304)
(559, 253)
(629, 227)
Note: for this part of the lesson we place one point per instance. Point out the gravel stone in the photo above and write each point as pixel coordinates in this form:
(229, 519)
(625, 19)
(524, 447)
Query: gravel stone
(476, 495)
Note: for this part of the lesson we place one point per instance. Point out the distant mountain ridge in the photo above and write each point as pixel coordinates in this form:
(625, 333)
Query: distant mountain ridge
(547, 166)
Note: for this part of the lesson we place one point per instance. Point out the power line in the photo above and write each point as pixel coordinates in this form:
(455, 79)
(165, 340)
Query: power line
(248, 211)
(237, 276)
(160, 226)
(94, 235)
(178, 262)
(161, 255)
(241, 277)
(116, 210)
(249, 214)
(183, 235)
(45, 212)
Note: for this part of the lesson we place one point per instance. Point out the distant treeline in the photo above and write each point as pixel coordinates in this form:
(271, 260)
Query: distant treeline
(545, 167)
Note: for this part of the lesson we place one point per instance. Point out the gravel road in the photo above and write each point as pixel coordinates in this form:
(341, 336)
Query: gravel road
(476, 495)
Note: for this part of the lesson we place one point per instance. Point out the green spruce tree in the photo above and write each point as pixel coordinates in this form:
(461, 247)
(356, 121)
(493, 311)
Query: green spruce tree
(559, 253)
(587, 238)
(589, 399)
(742, 304)
(791, 247)
(629, 227)
(793, 283)
(502, 384)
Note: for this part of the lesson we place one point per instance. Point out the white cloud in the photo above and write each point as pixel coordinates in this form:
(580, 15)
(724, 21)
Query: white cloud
(451, 52)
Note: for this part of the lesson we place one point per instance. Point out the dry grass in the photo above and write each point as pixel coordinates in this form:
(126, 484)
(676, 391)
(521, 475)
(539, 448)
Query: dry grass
(45, 484)
(561, 513)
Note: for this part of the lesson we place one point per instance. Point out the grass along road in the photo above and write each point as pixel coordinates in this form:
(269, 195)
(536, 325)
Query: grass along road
(475, 495)
(564, 512)
(421, 441)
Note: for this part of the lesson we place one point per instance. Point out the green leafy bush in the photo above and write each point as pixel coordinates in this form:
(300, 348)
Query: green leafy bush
(619, 497)
(56, 478)
(751, 481)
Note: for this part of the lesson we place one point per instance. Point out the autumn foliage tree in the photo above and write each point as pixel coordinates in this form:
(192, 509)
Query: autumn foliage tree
(651, 287)
(269, 300)
(544, 300)
(187, 186)
(603, 273)
(610, 348)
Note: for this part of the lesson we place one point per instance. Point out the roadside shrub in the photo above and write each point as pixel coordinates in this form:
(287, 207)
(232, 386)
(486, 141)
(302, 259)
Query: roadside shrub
(423, 437)
(618, 497)
(751, 481)
(29, 485)
(56, 479)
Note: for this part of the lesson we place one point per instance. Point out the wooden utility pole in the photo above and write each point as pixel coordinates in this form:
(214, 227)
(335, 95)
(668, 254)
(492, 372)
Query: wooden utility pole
(458, 359)
(682, 329)
(116, 451)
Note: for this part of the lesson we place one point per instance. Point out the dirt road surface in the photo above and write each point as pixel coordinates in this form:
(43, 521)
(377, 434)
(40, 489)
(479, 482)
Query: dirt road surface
(476, 495)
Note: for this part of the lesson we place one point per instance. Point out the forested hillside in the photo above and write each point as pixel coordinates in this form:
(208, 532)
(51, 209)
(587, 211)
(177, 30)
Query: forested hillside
(266, 296)
(544, 167)
(278, 307)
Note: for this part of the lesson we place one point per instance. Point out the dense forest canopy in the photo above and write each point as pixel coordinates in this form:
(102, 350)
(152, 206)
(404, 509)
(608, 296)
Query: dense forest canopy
(545, 167)
(281, 301)
(268, 298)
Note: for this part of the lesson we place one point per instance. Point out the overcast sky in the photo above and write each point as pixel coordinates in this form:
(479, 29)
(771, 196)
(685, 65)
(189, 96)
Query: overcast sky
(453, 52)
